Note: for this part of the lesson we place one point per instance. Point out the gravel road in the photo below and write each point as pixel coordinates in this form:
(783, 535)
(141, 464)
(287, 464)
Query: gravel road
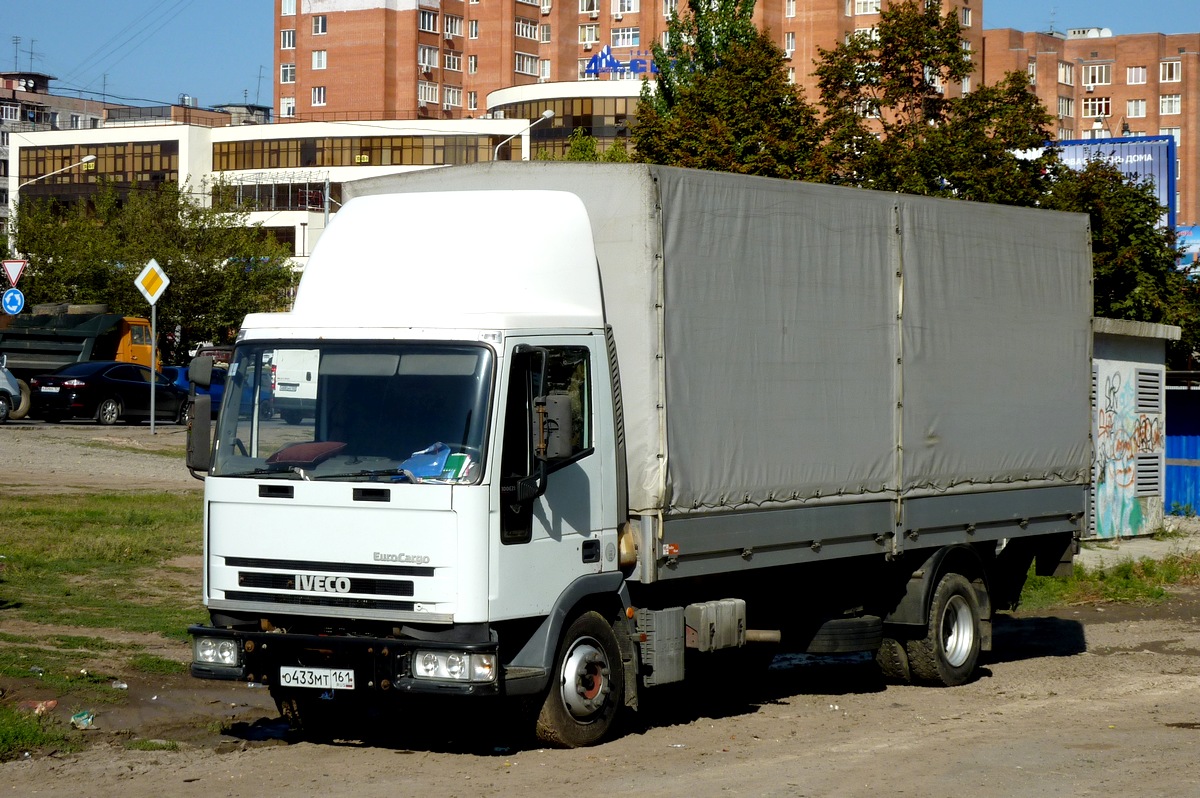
(1097, 700)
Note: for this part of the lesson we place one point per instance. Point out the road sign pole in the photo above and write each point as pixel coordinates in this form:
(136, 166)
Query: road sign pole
(153, 362)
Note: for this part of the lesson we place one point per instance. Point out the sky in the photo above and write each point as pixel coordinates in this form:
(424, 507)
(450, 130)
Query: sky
(149, 52)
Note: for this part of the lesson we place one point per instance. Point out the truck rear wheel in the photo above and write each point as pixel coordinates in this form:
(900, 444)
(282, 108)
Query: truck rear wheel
(21, 408)
(950, 649)
(587, 687)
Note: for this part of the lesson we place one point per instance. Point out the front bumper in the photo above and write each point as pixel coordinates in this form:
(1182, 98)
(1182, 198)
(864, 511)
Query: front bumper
(379, 664)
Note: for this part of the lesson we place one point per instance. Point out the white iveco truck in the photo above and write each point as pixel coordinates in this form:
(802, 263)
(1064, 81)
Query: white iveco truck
(575, 427)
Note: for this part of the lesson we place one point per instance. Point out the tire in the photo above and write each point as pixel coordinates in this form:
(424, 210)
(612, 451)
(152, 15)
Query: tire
(109, 412)
(892, 660)
(291, 416)
(5, 407)
(185, 413)
(587, 687)
(22, 406)
(948, 653)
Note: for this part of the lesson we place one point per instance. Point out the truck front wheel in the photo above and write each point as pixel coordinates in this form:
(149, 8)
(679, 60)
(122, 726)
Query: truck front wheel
(950, 649)
(587, 687)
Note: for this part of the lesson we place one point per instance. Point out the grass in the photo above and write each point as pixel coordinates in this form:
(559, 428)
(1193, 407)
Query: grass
(1129, 581)
(176, 453)
(101, 562)
(24, 732)
(151, 745)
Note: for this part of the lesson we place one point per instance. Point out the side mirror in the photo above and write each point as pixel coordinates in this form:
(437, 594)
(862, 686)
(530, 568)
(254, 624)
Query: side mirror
(532, 486)
(3, 361)
(200, 371)
(554, 430)
(199, 434)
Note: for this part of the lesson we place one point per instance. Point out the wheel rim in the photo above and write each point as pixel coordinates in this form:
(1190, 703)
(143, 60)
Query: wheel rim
(108, 411)
(585, 679)
(958, 631)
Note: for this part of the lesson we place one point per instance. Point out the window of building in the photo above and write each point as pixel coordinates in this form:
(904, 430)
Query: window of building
(966, 48)
(1135, 108)
(452, 60)
(10, 112)
(525, 64)
(1066, 133)
(544, 68)
(1097, 74)
(530, 2)
(626, 37)
(866, 6)
(670, 7)
(427, 91)
(589, 34)
(789, 8)
(625, 6)
(1170, 103)
(318, 59)
(583, 73)
(427, 57)
(1066, 107)
(287, 39)
(287, 106)
(287, 8)
(1170, 71)
(1170, 131)
(472, 64)
(453, 96)
(319, 25)
(473, 29)
(427, 21)
(1066, 73)
(453, 25)
(544, 34)
(287, 73)
(1031, 69)
(1097, 106)
(964, 17)
(1135, 75)
(589, 7)
(472, 101)
(318, 95)
(789, 42)
(966, 85)
(792, 75)
(526, 28)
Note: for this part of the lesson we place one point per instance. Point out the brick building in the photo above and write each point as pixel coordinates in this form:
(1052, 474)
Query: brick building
(400, 59)
(1098, 85)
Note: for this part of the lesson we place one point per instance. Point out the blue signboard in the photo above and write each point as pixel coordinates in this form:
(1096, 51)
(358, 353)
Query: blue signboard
(13, 301)
(1189, 239)
(1141, 157)
(640, 63)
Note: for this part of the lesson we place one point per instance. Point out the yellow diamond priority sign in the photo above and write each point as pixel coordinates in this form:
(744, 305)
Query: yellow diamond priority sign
(152, 281)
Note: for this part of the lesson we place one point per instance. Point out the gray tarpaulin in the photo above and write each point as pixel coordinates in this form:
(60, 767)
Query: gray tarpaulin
(784, 343)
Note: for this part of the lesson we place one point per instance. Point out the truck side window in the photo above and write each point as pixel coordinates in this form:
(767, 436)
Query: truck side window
(567, 374)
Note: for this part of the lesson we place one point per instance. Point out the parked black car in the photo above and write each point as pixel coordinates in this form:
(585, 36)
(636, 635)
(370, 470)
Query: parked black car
(107, 391)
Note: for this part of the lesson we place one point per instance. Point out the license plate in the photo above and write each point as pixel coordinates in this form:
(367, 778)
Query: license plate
(49, 389)
(291, 388)
(319, 678)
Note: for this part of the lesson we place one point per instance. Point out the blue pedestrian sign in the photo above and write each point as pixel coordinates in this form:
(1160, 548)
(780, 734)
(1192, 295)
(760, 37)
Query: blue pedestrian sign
(13, 301)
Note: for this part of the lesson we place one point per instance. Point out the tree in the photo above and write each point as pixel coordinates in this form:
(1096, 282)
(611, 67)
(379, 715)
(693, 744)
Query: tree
(1134, 255)
(889, 125)
(722, 99)
(584, 147)
(91, 251)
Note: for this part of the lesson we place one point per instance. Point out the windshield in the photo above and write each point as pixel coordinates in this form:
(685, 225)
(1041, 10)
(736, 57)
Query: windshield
(397, 412)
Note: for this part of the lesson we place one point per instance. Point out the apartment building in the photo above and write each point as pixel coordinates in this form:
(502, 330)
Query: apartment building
(1097, 85)
(404, 59)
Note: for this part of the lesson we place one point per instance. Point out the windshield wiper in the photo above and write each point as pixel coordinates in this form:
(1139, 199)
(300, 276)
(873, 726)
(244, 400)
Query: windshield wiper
(398, 475)
(262, 472)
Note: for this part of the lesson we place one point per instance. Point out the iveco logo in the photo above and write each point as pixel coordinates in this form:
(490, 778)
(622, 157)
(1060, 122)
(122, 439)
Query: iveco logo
(322, 584)
(407, 559)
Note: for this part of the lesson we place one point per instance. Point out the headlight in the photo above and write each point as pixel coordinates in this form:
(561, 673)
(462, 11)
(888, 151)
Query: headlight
(218, 650)
(454, 666)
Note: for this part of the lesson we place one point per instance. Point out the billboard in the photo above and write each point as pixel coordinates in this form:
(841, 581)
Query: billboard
(1142, 157)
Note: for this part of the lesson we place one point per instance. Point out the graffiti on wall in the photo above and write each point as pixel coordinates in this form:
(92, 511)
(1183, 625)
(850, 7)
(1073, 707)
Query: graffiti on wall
(1122, 433)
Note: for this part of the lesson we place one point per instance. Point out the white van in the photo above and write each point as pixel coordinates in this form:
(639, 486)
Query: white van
(295, 383)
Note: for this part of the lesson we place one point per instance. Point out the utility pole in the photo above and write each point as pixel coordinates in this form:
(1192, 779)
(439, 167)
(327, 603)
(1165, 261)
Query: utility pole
(258, 88)
(16, 40)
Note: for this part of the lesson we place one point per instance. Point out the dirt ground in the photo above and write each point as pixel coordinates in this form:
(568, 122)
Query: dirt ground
(1096, 700)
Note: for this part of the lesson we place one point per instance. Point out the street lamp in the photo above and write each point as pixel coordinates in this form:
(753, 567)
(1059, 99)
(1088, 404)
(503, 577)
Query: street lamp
(547, 114)
(81, 162)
